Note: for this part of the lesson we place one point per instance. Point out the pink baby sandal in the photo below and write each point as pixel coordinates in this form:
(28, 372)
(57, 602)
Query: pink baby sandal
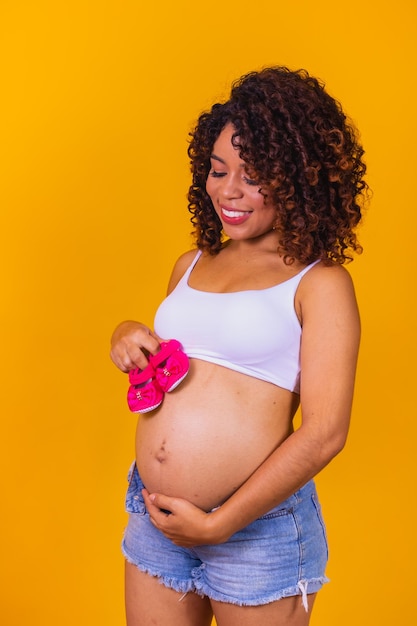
(171, 365)
(144, 393)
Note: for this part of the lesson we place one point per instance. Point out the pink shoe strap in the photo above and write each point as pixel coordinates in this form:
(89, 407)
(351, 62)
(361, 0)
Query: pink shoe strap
(167, 349)
(138, 376)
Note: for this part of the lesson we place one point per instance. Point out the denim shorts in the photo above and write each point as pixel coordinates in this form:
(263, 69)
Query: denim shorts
(281, 554)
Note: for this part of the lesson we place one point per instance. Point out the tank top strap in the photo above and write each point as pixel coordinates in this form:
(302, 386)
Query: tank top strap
(190, 268)
(306, 269)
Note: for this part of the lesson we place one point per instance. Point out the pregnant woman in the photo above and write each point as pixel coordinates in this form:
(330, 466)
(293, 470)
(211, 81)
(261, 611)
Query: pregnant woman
(224, 518)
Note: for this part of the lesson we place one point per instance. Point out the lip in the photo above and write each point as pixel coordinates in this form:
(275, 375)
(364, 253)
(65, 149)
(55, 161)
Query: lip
(234, 217)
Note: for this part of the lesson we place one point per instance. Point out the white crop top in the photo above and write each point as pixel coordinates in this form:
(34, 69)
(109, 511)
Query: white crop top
(255, 332)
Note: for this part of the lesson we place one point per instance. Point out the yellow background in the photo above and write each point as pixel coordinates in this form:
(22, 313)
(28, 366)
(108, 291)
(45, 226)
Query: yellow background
(97, 100)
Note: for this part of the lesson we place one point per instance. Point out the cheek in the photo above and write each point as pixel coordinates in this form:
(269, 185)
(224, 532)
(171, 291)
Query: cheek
(258, 202)
(211, 191)
(268, 211)
(209, 186)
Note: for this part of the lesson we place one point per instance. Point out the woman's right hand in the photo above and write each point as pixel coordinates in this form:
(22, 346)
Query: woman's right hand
(131, 343)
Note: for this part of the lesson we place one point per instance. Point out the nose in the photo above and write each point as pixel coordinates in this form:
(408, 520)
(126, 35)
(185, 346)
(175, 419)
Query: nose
(232, 187)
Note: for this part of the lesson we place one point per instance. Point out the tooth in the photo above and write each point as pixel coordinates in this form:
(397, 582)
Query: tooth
(233, 213)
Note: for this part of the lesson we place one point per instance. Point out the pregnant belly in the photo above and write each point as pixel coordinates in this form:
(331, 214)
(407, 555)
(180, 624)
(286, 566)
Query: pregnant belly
(206, 452)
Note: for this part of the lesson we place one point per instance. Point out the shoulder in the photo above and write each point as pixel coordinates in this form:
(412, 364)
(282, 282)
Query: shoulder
(180, 267)
(324, 289)
(322, 275)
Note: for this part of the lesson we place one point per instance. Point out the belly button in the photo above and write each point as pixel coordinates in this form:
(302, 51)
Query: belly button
(161, 455)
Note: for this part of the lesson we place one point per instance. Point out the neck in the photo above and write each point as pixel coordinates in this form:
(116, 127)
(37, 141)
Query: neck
(269, 242)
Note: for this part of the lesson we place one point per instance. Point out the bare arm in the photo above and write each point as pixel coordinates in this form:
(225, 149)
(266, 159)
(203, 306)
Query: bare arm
(329, 351)
(330, 340)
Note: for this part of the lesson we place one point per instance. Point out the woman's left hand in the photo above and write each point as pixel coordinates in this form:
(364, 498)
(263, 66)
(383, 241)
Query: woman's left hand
(185, 524)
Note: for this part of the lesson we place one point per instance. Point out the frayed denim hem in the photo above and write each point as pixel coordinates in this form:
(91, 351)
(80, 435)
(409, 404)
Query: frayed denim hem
(303, 588)
(197, 586)
(182, 586)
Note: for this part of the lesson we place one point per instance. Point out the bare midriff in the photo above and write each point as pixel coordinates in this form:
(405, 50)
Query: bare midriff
(211, 433)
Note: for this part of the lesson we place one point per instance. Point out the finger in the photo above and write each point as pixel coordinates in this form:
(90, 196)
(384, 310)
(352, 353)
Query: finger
(135, 358)
(162, 503)
(129, 357)
(158, 339)
(152, 508)
(154, 343)
(124, 363)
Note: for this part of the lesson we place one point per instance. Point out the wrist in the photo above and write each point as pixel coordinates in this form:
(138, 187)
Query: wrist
(218, 531)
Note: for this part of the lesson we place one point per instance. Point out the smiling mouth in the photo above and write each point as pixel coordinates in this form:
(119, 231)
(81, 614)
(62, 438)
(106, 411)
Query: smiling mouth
(231, 213)
(234, 217)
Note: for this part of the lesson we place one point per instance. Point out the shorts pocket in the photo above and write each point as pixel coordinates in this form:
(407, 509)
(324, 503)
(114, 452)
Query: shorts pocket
(134, 499)
(321, 520)
(284, 508)
(277, 512)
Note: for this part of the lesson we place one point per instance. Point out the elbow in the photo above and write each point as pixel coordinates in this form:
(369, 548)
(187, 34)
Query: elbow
(323, 444)
(338, 446)
(333, 446)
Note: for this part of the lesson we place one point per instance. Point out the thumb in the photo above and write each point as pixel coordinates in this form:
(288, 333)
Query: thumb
(161, 502)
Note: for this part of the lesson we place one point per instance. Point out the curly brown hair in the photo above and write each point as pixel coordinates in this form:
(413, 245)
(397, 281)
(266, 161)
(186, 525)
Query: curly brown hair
(300, 148)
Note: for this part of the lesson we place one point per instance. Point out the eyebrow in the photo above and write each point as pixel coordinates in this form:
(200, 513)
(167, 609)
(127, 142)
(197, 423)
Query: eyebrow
(217, 158)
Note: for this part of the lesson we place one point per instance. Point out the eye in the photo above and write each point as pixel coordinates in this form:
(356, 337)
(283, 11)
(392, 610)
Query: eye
(215, 174)
(250, 181)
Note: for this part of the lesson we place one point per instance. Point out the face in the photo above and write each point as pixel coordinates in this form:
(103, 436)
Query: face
(236, 198)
